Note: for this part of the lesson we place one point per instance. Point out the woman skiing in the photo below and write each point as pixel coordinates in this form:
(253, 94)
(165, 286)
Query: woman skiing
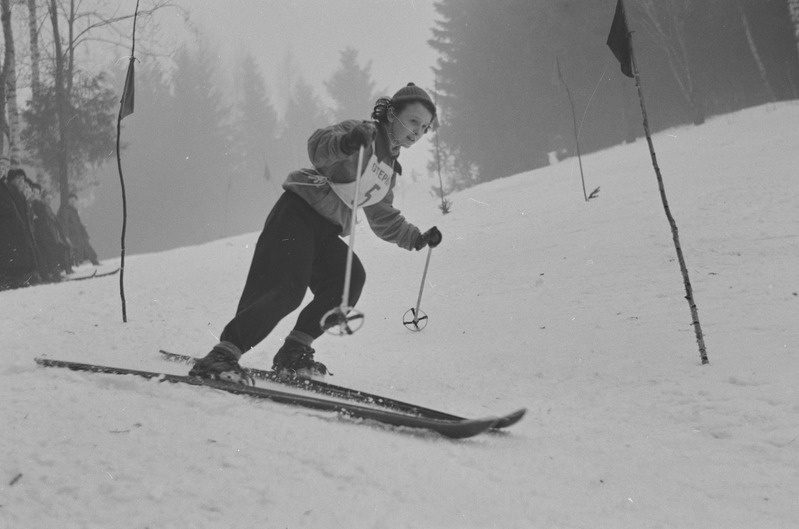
(300, 246)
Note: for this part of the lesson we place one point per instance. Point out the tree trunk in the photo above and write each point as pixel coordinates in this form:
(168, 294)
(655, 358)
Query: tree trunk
(33, 29)
(674, 46)
(61, 106)
(793, 7)
(68, 73)
(761, 68)
(11, 84)
(4, 158)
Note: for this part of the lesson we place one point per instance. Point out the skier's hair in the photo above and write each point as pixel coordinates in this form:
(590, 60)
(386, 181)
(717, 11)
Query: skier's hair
(381, 110)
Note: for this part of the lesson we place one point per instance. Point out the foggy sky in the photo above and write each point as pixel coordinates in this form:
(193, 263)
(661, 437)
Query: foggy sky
(392, 34)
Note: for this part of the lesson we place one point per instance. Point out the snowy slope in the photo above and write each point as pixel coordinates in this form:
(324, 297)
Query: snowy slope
(536, 298)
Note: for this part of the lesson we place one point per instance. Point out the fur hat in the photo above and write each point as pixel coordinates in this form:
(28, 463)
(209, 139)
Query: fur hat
(16, 173)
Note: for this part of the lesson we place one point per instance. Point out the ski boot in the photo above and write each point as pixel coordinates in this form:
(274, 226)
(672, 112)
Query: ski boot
(222, 363)
(294, 359)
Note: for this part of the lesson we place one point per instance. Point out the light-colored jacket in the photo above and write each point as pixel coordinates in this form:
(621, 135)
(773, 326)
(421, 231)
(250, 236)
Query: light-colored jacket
(331, 164)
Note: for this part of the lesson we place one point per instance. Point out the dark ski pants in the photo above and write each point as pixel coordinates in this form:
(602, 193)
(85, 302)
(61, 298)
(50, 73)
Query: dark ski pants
(298, 249)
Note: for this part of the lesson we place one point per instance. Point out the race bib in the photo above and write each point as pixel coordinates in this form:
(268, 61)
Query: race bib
(374, 185)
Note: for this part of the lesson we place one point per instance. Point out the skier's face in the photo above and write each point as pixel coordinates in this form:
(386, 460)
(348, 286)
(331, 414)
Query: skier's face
(407, 127)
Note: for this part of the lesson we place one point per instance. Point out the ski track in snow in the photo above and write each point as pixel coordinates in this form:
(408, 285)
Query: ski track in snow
(535, 298)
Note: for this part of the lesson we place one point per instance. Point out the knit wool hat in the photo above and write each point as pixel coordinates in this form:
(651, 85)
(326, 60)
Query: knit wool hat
(412, 93)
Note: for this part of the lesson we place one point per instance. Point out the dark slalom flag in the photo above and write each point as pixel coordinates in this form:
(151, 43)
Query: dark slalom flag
(620, 44)
(126, 106)
(125, 109)
(619, 40)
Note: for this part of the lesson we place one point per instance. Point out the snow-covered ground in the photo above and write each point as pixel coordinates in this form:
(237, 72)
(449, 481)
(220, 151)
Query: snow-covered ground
(535, 298)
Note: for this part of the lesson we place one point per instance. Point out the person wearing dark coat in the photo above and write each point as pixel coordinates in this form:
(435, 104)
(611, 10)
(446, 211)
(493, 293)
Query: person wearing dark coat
(75, 231)
(19, 265)
(54, 250)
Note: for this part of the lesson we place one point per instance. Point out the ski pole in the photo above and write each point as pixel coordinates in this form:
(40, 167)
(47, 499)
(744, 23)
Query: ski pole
(418, 315)
(345, 296)
(340, 316)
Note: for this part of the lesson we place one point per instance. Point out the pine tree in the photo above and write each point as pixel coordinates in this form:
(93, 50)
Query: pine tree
(155, 198)
(255, 124)
(495, 93)
(351, 88)
(303, 116)
(503, 107)
(249, 184)
(88, 124)
(201, 145)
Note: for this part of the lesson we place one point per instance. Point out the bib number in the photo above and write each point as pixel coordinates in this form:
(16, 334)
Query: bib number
(374, 185)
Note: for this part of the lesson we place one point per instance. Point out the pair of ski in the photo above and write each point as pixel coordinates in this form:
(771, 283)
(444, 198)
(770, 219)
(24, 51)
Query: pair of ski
(357, 404)
(95, 274)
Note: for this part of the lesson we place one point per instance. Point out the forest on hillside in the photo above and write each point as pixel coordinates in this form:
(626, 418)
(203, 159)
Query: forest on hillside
(504, 67)
(206, 149)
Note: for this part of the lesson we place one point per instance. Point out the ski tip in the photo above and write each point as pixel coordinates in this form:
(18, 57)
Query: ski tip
(468, 428)
(44, 361)
(511, 418)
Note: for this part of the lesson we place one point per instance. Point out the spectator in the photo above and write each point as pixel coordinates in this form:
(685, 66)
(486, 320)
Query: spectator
(75, 231)
(54, 250)
(18, 257)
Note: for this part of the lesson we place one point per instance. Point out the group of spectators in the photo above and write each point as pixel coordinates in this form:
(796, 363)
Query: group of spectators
(36, 245)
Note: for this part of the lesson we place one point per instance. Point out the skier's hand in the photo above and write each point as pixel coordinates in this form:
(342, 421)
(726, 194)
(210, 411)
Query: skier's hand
(431, 238)
(363, 134)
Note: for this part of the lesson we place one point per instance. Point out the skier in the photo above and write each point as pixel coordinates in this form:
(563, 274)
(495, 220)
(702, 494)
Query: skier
(300, 245)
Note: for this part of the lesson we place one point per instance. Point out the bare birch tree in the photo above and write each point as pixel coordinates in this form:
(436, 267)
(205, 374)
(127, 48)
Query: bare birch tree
(10, 78)
(33, 31)
(73, 24)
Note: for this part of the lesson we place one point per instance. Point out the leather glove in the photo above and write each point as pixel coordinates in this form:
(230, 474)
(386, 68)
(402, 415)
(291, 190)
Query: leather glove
(363, 134)
(431, 238)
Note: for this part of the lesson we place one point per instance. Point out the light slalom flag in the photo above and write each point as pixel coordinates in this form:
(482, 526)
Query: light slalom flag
(620, 43)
